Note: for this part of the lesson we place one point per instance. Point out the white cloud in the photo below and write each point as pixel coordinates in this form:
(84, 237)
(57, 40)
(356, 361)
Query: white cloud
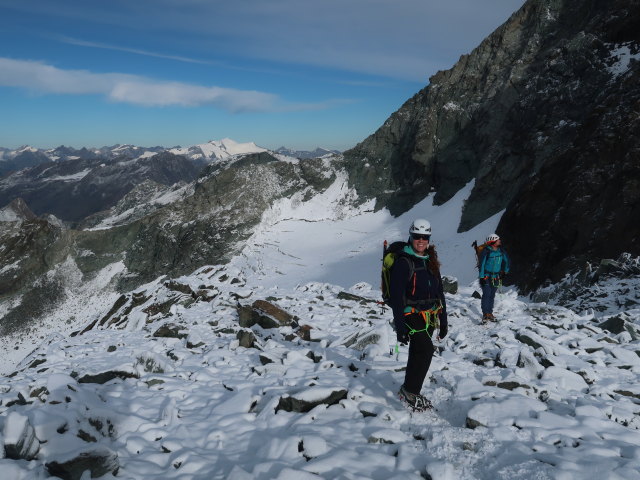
(400, 39)
(107, 46)
(138, 90)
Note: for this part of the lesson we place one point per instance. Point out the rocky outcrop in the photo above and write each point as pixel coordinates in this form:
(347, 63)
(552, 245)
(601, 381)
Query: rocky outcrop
(540, 114)
(16, 211)
(29, 250)
(581, 204)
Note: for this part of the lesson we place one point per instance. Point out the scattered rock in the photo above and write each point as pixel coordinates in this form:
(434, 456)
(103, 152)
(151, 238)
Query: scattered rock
(512, 385)
(20, 440)
(264, 314)
(264, 360)
(180, 287)
(450, 284)
(527, 340)
(283, 318)
(246, 338)
(355, 298)
(98, 461)
(105, 377)
(613, 325)
(293, 404)
(360, 340)
(304, 332)
(169, 331)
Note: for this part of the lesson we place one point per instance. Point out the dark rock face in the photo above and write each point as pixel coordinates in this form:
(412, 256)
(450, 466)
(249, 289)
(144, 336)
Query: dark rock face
(17, 210)
(582, 205)
(25, 444)
(29, 250)
(541, 115)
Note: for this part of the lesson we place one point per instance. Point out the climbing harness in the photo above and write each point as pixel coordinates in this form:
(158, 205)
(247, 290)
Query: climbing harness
(430, 317)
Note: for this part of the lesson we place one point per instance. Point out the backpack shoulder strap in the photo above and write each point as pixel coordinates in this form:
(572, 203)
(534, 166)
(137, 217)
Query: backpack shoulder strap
(412, 267)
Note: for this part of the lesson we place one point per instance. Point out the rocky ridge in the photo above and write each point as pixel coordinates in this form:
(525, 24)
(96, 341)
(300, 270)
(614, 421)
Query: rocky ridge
(538, 115)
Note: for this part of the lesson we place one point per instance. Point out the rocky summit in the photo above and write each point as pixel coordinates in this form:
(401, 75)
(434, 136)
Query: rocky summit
(542, 117)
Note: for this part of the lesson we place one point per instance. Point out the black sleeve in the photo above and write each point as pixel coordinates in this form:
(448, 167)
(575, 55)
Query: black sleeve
(444, 323)
(399, 276)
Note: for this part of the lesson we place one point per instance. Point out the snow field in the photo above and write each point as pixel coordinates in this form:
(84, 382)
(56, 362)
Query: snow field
(202, 406)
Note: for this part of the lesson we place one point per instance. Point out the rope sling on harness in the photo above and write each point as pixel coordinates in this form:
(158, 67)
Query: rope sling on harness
(430, 317)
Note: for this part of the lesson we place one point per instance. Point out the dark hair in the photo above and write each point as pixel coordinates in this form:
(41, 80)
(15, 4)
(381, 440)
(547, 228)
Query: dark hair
(434, 263)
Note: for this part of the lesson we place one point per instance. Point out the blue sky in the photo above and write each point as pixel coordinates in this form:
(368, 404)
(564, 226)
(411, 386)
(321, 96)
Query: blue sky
(297, 73)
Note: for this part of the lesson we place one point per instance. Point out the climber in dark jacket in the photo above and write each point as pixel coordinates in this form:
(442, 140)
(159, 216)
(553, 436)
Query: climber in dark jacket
(418, 303)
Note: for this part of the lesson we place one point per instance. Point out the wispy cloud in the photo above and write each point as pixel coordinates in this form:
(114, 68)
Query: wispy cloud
(41, 78)
(106, 46)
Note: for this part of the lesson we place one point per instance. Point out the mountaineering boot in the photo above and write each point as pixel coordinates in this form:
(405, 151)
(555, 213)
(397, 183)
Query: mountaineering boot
(415, 401)
(486, 318)
(491, 317)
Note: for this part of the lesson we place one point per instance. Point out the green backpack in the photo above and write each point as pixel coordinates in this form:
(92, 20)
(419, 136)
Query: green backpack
(389, 255)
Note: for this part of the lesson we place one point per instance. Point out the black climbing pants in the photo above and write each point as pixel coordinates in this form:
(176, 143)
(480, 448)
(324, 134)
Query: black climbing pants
(420, 353)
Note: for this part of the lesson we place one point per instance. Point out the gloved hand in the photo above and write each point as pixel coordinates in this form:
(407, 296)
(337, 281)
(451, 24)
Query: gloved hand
(402, 337)
(444, 325)
(484, 280)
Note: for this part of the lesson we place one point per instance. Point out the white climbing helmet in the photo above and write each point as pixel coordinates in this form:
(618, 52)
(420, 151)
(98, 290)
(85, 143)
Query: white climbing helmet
(420, 227)
(492, 238)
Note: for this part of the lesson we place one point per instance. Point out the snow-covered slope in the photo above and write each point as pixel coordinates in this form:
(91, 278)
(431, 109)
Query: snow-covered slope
(176, 382)
(324, 239)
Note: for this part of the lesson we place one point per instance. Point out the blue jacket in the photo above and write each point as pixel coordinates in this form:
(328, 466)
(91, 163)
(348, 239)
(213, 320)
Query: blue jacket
(492, 262)
(423, 285)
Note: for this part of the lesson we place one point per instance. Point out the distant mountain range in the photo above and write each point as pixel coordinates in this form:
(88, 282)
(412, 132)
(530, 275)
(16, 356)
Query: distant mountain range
(26, 156)
(317, 153)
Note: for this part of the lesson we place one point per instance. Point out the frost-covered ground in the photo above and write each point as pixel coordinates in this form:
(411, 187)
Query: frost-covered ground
(543, 393)
(278, 366)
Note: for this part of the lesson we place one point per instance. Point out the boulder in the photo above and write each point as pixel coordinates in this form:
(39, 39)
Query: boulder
(309, 399)
(99, 461)
(264, 314)
(450, 284)
(20, 442)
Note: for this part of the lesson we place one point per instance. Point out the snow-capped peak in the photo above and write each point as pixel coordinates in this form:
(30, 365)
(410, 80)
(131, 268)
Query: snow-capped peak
(217, 149)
